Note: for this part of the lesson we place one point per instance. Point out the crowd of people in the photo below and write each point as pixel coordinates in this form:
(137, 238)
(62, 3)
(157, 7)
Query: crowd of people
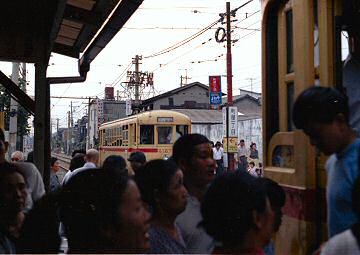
(245, 159)
(185, 204)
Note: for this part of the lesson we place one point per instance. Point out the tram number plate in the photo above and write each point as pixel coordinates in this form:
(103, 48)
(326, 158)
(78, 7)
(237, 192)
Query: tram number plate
(167, 151)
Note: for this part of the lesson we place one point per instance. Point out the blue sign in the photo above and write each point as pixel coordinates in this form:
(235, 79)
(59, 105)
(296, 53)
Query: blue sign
(215, 98)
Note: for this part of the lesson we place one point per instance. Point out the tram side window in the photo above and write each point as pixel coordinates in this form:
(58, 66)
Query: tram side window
(146, 134)
(181, 130)
(165, 135)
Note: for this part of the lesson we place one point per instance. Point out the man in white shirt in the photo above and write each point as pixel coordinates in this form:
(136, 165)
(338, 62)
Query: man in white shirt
(219, 158)
(242, 156)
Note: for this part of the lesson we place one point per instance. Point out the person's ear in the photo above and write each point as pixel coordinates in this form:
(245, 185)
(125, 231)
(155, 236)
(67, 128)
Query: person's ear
(258, 219)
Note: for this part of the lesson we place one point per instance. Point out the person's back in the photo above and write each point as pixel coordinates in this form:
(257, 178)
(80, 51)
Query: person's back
(323, 114)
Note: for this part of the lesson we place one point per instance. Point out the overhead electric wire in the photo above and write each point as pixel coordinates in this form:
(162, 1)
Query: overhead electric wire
(183, 42)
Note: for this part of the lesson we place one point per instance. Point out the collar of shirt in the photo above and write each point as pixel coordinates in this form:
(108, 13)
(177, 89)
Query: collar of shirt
(350, 147)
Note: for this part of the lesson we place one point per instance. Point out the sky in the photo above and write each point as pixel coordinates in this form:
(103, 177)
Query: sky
(155, 26)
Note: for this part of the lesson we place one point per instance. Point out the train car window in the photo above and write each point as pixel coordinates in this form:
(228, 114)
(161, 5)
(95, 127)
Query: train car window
(165, 135)
(316, 35)
(289, 42)
(146, 134)
(181, 130)
(290, 103)
(283, 156)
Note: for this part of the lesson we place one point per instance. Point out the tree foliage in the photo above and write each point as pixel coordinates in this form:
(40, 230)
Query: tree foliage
(23, 115)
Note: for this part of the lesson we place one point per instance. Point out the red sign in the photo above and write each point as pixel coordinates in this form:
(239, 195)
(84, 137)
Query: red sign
(215, 83)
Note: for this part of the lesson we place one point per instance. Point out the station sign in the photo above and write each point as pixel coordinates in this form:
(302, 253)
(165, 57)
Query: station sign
(215, 98)
(215, 90)
(233, 141)
(230, 127)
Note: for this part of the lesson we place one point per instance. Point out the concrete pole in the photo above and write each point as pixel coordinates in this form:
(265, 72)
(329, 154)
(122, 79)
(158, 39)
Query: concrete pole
(13, 111)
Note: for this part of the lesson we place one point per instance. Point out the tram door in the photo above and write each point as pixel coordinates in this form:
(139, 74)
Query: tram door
(297, 50)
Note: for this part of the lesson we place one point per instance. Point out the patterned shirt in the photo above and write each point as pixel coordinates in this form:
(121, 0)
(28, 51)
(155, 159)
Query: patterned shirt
(162, 242)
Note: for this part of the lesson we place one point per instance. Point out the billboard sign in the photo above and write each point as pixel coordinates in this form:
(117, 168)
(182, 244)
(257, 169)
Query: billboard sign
(215, 90)
(215, 83)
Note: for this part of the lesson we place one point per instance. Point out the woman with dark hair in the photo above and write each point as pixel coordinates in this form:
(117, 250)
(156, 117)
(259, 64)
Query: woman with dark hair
(12, 204)
(237, 214)
(115, 164)
(162, 188)
(104, 213)
(77, 161)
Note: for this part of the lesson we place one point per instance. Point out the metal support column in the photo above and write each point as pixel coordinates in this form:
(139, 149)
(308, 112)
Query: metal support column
(42, 123)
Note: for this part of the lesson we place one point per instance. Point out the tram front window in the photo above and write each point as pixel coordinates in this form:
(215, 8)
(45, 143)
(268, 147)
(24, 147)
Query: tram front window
(165, 135)
(146, 134)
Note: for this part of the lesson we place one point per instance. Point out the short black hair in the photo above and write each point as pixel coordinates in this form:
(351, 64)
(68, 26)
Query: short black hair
(319, 105)
(242, 140)
(274, 192)
(154, 177)
(53, 160)
(115, 164)
(91, 200)
(77, 161)
(228, 205)
(184, 147)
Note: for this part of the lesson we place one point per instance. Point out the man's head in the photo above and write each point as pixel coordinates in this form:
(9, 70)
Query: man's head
(92, 156)
(323, 114)
(194, 154)
(137, 159)
(242, 143)
(3, 146)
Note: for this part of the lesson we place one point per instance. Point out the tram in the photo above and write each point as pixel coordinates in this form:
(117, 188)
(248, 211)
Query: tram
(302, 44)
(152, 132)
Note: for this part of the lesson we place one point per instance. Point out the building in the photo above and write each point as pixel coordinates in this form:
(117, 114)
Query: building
(101, 111)
(191, 96)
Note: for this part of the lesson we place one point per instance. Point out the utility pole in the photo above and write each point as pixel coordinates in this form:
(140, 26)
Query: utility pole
(68, 135)
(137, 84)
(182, 78)
(88, 126)
(251, 84)
(13, 111)
(231, 161)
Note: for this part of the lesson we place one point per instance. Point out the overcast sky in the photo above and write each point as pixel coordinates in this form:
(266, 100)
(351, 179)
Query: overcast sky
(157, 25)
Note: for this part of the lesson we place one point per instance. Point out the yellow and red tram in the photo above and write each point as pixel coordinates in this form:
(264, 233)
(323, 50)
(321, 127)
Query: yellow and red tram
(152, 132)
(302, 45)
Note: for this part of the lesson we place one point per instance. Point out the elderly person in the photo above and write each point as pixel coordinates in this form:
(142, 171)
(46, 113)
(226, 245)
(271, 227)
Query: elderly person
(92, 160)
(17, 156)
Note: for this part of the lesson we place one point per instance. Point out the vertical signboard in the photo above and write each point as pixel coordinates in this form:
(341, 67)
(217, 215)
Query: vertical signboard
(230, 127)
(215, 91)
